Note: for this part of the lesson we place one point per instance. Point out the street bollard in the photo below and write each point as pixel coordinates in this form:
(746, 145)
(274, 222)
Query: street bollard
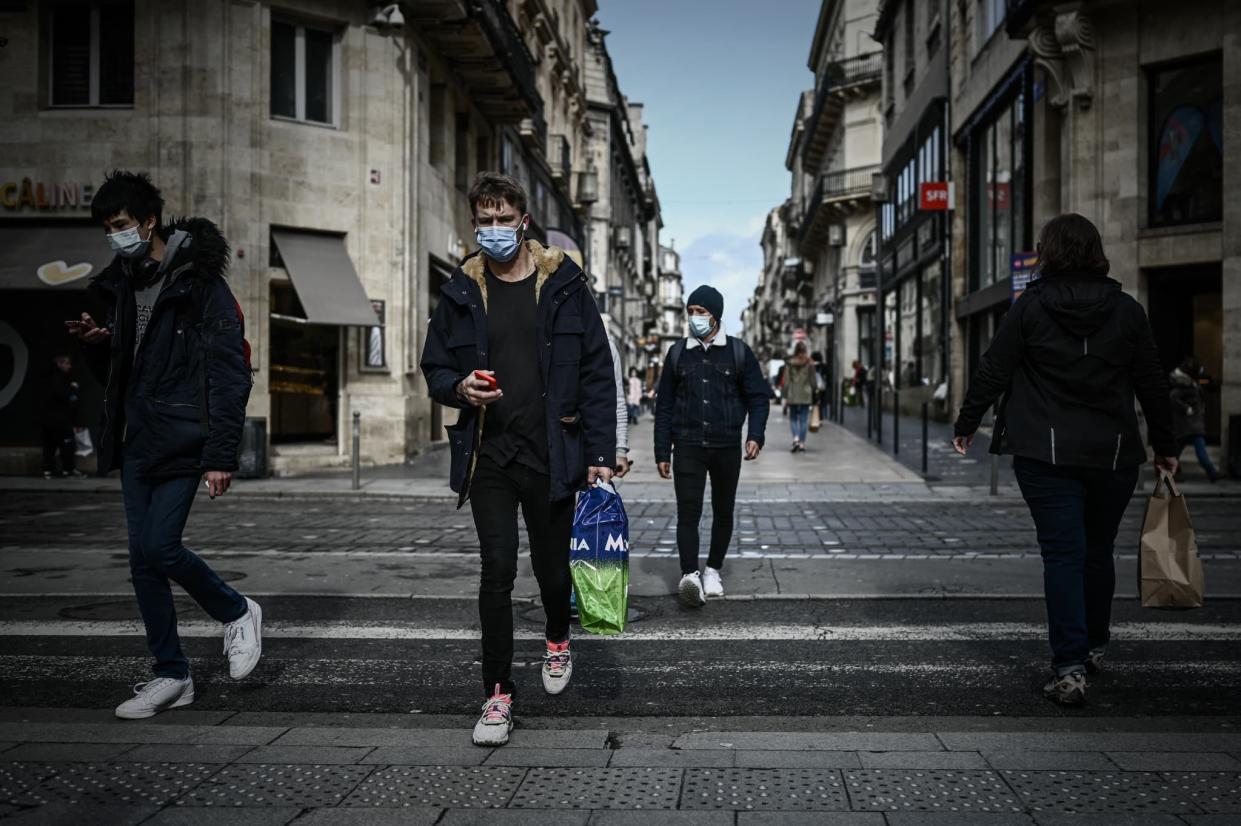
(925, 413)
(357, 450)
(995, 475)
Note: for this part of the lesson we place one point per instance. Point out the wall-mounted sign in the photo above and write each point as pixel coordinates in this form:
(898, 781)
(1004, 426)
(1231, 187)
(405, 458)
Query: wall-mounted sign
(1023, 265)
(937, 195)
(43, 195)
(824, 319)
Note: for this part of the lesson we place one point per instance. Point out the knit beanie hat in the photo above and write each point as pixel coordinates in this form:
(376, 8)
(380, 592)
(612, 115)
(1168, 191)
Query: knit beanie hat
(708, 298)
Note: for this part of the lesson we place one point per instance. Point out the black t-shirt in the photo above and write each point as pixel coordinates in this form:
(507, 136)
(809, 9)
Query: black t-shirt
(515, 427)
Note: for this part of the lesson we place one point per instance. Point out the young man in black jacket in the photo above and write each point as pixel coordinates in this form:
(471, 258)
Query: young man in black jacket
(170, 354)
(539, 426)
(710, 386)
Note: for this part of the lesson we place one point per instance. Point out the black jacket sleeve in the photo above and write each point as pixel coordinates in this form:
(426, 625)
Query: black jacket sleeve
(439, 368)
(598, 387)
(1150, 385)
(665, 404)
(995, 369)
(227, 376)
(757, 398)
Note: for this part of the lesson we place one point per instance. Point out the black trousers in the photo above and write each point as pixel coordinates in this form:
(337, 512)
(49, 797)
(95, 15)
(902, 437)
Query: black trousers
(691, 465)
(495, 494)
(58, 439)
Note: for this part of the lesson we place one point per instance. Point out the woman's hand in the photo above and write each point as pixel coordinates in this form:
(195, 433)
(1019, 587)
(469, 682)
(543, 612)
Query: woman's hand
(1167, 463)
(961, 444)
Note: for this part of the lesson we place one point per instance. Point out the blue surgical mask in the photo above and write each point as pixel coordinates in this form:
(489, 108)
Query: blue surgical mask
(500, 243)
(700, 325)
(128, 243)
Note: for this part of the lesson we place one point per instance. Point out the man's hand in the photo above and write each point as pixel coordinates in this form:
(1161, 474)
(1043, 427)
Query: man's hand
(622, 465)
(476, 392)
(961, 444)
(87, 330)
(752, 449)
(598, 474)
(217, 482)
(1167, 463)
(665, 470)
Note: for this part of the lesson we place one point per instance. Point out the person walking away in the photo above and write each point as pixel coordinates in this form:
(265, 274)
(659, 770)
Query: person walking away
(1188, 416)
(57, 415)
(799, 383)
(530, 440)
(861, 381)
(711, 386)
(171, 355)
(634, 395)
(1066, 364)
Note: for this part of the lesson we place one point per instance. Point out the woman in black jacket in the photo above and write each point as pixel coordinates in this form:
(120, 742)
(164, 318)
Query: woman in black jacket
(1065, 366)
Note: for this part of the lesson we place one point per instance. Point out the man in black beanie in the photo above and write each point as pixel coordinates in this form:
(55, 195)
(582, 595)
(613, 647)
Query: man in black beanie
(711, 383)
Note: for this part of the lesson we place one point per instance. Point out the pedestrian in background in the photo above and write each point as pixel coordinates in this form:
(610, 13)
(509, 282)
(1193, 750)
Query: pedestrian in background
(711, 385)
(1188, 415)
(624, 409)
(634, 395)
(799, 384)
(538, 394)
(57, 416)
(171, 354)
(1066, 364)
(822, 383)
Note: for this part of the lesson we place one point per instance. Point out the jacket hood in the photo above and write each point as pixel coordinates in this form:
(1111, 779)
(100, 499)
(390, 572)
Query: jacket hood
(1079, 305)
(205, 248)
(1180, 377)
(548, 261)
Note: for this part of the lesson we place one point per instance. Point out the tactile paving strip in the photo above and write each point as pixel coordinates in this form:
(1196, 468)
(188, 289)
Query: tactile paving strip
(122, 784)
(447, 787)
(619, 788)
(897, 790)
(1098, 792)
(764, 789)
(19, 782)
(1215, 792)
(265, 784)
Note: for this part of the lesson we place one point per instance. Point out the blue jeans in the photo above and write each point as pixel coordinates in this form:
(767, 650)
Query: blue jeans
(799, 421)
(155, 513)
(1200, 448)
(1076, 512)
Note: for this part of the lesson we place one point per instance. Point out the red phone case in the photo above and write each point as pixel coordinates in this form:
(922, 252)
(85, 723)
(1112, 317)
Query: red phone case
(478, 374)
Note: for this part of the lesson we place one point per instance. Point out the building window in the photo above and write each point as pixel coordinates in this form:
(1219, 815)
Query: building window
(998, 194)
(988, 15)
(1186, 168)
(866, 264)
(865, 335)
(91, 54)
(303, 72)
(374, 351)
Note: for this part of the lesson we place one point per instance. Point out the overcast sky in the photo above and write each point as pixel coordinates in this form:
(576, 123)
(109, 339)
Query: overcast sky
(720, 82)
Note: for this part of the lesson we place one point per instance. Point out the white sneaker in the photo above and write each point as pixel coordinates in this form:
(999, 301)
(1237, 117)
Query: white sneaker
(243, 641)
(690, 590)
(493, 727)
(557, 667)
(159, 694)
(711, 582)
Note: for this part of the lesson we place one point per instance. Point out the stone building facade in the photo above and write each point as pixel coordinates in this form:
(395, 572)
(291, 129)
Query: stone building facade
(333, 145)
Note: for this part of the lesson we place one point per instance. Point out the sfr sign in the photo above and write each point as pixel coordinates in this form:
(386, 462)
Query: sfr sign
(936, 195)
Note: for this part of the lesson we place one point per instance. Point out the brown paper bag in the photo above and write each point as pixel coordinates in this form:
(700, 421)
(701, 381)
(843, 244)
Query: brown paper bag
(816, 419)
(1169, 571)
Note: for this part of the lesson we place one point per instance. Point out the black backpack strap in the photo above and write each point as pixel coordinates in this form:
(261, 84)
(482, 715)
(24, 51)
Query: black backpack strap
(674, 356)
(738, 358)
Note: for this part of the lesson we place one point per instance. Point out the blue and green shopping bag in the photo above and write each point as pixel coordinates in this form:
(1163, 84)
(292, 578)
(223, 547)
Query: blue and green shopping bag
(599, 560)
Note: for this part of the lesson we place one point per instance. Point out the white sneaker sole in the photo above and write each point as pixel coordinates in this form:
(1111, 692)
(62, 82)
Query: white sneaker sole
(254, 608)
(555, 685)
(182, 701)
(487, 738)
(691, 594)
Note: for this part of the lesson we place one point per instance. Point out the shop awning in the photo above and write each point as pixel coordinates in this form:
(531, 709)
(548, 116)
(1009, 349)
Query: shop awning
(43, 257)
(326, 282)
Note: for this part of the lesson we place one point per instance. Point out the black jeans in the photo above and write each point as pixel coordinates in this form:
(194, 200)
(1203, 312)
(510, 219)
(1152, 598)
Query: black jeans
(155, 512)
(691, 465)
(58, 439)
(495, 494)
(1077, 512)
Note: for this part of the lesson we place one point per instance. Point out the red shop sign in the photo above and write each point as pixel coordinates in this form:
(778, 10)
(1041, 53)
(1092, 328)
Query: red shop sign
(936, 195)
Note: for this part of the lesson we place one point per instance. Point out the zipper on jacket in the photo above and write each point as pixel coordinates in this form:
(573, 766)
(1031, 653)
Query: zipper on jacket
(1085, 346)
(1053, 445)
(1116, 458)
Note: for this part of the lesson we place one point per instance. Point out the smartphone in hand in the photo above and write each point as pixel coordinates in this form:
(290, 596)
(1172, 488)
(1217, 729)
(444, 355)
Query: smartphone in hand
(487, 377)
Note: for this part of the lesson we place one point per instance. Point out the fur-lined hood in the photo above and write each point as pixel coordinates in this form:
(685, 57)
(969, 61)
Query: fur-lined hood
(205, 249)
(1180, 378)
(547, 261)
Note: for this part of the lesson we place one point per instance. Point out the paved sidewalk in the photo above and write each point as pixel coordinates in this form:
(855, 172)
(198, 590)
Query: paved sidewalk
(187, 767)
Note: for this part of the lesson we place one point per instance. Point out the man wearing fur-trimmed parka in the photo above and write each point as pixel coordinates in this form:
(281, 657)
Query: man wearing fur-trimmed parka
(171, 355)
(518, 346)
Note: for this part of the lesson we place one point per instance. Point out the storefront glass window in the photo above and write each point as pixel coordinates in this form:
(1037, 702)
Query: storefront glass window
(908, 324)
(999, 221)
(1186, 143)
(932, 372)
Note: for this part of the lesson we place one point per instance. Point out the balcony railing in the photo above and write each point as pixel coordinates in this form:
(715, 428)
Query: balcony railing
(840, 74)
(839, 185)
